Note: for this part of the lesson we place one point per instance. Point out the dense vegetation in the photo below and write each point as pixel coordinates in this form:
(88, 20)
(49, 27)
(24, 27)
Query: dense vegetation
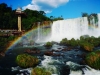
(91, 17)
(93, 59)
(25, 60)
(86, 43)
(5, 42)
(48, 45)
(8, 18)
(39, 71)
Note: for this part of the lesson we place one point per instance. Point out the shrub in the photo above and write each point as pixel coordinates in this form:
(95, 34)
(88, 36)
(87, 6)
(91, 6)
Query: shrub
(48, 45)
(93, 59)
(64, 41)
(73, 42)
(86, 46)
(39, 71)
(25, 60)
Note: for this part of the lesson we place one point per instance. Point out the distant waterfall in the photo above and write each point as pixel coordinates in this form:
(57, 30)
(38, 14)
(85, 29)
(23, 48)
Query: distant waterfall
(99, 20)
(38, 30)
(74, 28)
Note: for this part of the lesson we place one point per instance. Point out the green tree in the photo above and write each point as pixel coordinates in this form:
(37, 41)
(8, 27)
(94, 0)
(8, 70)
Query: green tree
(84, 14)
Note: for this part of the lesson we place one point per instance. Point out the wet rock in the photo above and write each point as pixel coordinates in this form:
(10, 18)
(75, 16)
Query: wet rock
(38, 51)
(52, 53)
(81, 55)
(65, 49)
(56, 54)
(32, 51)
(82, 62)
(65, 70)
(49, 53)
(52, 50)
(2, 54)
(69, 48)
(59, 48)
(77, 50)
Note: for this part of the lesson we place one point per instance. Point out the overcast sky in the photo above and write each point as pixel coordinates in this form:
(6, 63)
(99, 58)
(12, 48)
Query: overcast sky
(65, 8)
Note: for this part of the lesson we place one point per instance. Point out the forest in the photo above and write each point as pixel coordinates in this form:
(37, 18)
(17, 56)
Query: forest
(8, 18)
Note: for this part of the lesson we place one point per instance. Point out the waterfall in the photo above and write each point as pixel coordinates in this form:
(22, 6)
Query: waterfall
(43, 32)
(74, 28)
(38, 30)
(99, 20)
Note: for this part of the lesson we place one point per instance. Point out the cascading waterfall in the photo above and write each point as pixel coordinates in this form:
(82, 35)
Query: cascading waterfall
(69, 28)
(74, 28)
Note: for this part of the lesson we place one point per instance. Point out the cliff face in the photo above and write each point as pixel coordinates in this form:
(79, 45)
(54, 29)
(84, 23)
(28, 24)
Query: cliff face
(44, 23)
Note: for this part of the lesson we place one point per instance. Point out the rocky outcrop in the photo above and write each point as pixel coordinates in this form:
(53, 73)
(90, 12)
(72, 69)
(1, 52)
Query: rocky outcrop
(32, 51)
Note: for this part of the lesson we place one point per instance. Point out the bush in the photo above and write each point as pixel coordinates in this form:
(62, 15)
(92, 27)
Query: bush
(25, 60)
(73, 42)
(39, 71)
(86, 46)
(93, 59)
(48, 45)
(64, 41)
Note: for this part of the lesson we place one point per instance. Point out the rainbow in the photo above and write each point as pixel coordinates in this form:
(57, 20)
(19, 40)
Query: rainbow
(19, 38)
(12, 43)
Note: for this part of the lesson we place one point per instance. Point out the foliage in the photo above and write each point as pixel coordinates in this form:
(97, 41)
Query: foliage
(4, 41)
(56, 18)
(48, 44)
(86, 42)
(87, 46)
(8, 18)
(25, 60)
(39, 71)
(90, 17)
(84, 14)
(93, 59)
(73, 42)
(33, 16)
(64, 41)
(89, 43)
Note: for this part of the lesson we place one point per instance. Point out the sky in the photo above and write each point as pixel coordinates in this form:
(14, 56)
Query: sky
(65, 8)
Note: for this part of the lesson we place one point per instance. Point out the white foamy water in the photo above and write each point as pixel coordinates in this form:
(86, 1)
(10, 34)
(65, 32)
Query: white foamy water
(48, 64)
(74, 28)
(87, 71)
